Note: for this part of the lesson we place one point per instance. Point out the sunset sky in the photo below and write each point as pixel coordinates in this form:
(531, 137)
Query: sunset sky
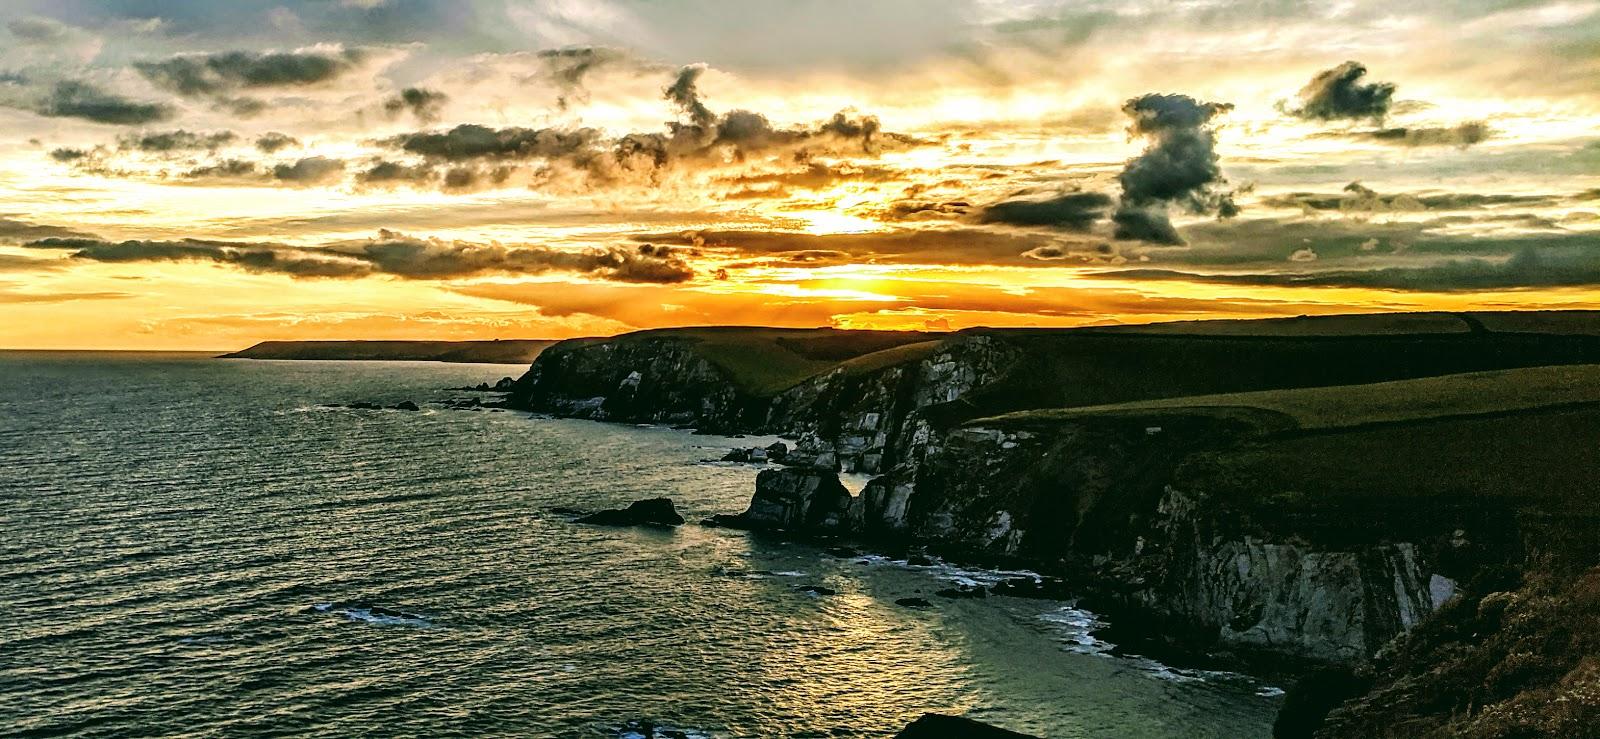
(192, 174)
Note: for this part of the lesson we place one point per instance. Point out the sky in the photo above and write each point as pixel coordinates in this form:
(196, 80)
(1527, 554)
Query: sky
(189, 174)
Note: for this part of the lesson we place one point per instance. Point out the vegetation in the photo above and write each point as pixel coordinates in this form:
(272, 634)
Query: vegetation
(1472, 393)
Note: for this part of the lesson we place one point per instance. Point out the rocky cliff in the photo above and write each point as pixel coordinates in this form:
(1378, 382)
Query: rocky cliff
(1204, 525)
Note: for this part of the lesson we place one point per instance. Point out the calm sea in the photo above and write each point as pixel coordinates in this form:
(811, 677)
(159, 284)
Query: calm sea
(193, 546)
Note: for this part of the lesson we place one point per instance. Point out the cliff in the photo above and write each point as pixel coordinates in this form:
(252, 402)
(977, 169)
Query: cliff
(508, 351)
(1305, 490)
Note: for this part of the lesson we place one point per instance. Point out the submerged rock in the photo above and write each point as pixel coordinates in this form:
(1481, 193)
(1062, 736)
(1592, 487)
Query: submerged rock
(964, 591)
(406, 405)
(940, 726)
(913, 602)
(816, 590)
(649, 512)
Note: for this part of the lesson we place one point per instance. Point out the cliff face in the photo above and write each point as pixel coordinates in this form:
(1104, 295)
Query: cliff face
(658, 380)
(1111, 500)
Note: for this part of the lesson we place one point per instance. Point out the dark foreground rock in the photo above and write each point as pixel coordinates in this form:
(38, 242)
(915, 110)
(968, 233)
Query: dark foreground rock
(650, 512)
(940, 726)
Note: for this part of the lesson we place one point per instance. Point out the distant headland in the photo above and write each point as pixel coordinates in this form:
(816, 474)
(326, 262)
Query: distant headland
(505, 351)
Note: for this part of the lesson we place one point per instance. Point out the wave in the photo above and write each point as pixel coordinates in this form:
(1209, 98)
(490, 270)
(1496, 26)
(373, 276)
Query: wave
(374, 615)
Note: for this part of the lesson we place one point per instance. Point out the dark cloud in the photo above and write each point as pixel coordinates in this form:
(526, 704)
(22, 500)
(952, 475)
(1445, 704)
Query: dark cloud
(250, 257)
(273, 141)
(1461, 136)
(228, 169)
(1531, 267)
(207, 75)
(309, 171)
(38, 30)
(685, 94)
(1358, 198)
(393, 254)
(1076, 211)
(15, 231)
(705, 138)
(75, 99)
(469, 177)
(569, 67)
(1339, 94)
(68, 155)
(1179, 166)
(220, 76)
(392, 173)
(179, 140)
(471, 141)
(424, 104)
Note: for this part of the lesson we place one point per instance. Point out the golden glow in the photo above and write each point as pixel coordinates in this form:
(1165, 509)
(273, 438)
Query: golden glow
(888, 235)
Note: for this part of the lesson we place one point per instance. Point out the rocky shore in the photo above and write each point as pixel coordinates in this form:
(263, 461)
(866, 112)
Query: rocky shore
(1216, 488)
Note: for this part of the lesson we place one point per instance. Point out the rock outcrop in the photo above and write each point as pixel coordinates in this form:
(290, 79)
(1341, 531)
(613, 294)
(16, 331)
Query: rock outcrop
(940, 726)
(650, 512)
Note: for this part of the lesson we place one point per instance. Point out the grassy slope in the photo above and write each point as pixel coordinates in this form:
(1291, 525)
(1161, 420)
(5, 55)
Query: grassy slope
(1383, 402)
(1511, 436)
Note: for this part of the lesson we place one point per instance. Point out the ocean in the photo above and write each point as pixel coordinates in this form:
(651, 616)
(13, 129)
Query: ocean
(192, 546)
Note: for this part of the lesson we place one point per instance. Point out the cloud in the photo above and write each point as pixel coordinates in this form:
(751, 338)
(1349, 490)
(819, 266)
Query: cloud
(273, 141)
(1358, 198)
(424, 104)
(1460, 136)
(39, 30)
(221, 76)
(7, 296)
(49, 35)
(14, 231)
(1179, 166)
(970, 246)
(76, 99)
(385, 173)
(179, 140)
(227, 169)
(309, 171)
(392, 254)
(1075, 211)
(69, 155)
(1338, 94)
(1530, 268)
(470, 141)
(569, 67)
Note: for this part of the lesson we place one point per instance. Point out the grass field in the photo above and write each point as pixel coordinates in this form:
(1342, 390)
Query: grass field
(1473, 393)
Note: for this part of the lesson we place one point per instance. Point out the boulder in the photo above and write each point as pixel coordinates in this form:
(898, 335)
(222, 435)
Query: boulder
(406, 405)
(799, 499)
(650, 512)
(940, 726)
